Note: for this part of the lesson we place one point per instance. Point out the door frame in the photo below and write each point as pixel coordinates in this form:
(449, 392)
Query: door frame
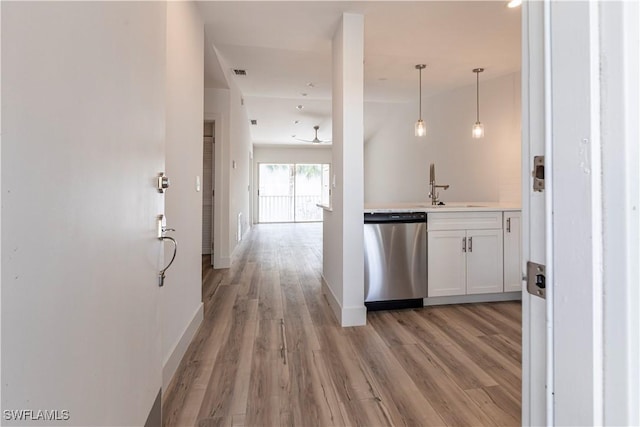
(591, 149)
(534, 227)
(217, 260)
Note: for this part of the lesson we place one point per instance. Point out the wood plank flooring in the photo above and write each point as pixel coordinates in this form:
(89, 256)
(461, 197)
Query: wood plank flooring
(270, 352)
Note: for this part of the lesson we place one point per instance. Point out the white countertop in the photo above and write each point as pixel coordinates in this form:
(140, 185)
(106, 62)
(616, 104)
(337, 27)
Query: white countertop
(447, 207)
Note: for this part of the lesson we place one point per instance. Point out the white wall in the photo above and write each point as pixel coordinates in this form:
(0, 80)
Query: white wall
(313, 154)
(266, 154)
(233, 187)
(182, 294)
(83, 122)
(240, 149)
(397, 162)
(343, 241)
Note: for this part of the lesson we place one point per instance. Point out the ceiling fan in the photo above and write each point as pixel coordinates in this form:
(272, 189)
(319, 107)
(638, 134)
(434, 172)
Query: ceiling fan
(315, 140)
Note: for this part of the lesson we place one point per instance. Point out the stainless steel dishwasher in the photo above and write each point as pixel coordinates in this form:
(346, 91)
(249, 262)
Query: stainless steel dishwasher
(395, 259)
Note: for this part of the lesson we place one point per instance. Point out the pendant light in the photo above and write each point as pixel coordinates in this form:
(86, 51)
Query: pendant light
(421, 130)
(478, 128)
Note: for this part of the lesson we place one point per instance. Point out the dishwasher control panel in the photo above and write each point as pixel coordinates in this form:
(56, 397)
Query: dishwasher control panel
(399, 217)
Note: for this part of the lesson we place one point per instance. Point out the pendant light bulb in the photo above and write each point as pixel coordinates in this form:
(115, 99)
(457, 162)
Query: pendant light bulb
(477, 131)
(420, 128)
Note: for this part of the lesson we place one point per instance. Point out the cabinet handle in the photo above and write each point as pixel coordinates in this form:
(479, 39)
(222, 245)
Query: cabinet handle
(508, 225)
(464, 244)
(470, 243)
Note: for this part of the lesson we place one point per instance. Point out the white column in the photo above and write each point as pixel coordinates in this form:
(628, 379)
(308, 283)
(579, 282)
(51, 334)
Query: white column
(343, 268)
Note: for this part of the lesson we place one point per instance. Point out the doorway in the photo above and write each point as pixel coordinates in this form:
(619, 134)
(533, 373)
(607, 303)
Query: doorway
(208, 193)
(290, 192)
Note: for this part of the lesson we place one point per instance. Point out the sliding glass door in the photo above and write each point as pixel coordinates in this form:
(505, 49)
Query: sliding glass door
(291, 192)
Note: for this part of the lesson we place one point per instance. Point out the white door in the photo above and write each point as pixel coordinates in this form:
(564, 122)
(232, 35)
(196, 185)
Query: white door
(484, 261)
(535, 386)
(446, 261)
(83, 88)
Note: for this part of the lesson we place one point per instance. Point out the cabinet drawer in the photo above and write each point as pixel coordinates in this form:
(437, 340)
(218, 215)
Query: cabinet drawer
(464, 221)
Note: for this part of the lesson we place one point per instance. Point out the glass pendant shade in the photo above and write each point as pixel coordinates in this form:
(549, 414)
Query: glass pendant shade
(478, 130)
(421, 129)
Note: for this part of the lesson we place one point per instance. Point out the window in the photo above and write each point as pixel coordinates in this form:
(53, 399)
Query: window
(291, 192)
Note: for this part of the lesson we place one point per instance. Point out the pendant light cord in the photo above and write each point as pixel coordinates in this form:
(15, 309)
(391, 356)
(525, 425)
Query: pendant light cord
(420, 94)
(477, 96)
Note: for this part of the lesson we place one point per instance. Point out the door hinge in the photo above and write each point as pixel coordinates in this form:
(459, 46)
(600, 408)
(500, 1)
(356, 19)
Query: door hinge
(536, 279)
(538, 173)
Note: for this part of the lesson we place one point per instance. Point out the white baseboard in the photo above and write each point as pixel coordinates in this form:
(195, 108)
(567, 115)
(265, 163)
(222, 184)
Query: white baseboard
(354, 316)
(221, 262)
(173, 361)
(333, 301)
(466, 299)
(347, 316)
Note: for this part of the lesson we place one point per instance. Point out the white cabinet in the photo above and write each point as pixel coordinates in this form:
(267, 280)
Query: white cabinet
(465, 253)
(512, 252)
(484, 261)
(446, 263)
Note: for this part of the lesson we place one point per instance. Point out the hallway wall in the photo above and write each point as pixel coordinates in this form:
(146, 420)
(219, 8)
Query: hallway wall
(233, 163)
(216, 107)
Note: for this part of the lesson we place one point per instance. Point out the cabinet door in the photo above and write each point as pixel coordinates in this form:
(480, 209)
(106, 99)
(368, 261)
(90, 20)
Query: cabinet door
(512, 252)
(484, 261)
(446, 263)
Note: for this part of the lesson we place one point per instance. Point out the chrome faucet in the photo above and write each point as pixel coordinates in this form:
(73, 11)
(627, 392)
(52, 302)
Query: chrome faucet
(433, 194)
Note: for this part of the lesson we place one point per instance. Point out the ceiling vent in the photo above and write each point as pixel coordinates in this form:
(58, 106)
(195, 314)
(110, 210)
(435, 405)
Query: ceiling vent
(254, 122)
(239, 72)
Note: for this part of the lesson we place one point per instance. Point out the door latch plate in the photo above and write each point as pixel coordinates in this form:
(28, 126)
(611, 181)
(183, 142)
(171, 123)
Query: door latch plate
(538, 173)
(536, 279)
(162, 182)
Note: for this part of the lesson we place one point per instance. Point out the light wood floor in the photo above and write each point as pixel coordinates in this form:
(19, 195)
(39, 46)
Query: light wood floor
(271, 353)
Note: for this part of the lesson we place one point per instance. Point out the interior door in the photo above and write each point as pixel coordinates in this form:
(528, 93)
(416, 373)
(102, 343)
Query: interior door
(537, 407)
(82, 145)
(207, 188)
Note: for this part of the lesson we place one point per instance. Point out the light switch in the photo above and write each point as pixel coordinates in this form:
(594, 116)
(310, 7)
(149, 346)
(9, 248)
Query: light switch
(197, 182)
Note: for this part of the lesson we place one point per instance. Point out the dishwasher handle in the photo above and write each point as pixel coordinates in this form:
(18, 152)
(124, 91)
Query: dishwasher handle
(395, 217)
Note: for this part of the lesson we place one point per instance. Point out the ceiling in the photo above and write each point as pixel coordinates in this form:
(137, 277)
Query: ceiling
(284, 46)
